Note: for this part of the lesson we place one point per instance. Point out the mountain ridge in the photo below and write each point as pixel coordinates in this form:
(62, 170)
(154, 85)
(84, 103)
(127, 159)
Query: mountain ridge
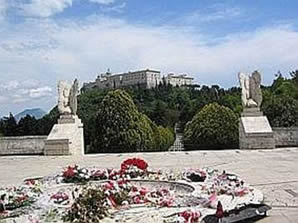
(35, 112)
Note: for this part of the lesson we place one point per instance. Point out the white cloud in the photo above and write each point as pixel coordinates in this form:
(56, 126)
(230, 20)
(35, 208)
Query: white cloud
(45, 8)
(18, 99)
(3, 99)
(104, 2)
(18, 92)
(40, 92)
(84, 49)
(10, 85)
(215, 13)
(31, 83)
(116, 8)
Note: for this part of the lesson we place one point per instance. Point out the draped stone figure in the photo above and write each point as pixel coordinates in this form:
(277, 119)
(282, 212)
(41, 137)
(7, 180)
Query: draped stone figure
(251, 94)
(73, 102)
(255, 88)
(67, 97)
(63, 98)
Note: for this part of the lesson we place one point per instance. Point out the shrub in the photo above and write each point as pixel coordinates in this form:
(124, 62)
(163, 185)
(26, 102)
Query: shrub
(167, 138)
(214, 127)
(282, 111)
(120, 127)
(163, 137)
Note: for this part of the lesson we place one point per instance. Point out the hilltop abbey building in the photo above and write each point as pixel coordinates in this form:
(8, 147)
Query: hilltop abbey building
(144, 78)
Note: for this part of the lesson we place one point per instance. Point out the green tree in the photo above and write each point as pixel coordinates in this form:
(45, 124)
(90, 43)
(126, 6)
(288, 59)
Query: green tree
(46, 123)
(9, 126)
(88, 106)
(281, 110)
(294, 75)
(159, 111)
(27, 125)
(214, 127)
(120, 126)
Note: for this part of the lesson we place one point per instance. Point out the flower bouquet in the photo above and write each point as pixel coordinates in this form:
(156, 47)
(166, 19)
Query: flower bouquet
(99, 174)
(75, 175)
(13, 198)
(60, 198)
(195, 175)
(133, 168)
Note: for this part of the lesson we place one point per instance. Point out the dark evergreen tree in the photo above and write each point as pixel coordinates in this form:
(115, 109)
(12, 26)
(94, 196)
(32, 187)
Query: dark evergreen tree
(9, 125)
(214, 127)
(27, 126)
(120, 127)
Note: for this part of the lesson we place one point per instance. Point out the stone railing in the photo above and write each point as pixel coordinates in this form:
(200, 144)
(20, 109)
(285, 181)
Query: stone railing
(22, 145)
(286, 137)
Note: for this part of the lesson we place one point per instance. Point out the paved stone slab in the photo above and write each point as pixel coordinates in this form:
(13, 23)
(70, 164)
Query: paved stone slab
(272, 171)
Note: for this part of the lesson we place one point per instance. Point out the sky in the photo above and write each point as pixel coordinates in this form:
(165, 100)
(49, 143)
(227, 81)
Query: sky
(43, 41)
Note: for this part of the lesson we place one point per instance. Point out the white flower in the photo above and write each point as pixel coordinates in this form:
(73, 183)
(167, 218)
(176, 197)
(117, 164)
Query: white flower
(125, 203)
(81, 175)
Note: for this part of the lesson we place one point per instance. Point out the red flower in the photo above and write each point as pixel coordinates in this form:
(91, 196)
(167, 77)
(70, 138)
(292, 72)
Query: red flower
(128, 162)
(219, 210)
(109, 186)
(69, 172)
(30, 182)
(241, 192)
(123, 167)
(112, 201)
(166, 203)
(202, 173)
(141, 164)
(97, 173)
(59, 195)
(121, 182)
(138, 200)
(143, 191)
(134, 189)
(190, 216)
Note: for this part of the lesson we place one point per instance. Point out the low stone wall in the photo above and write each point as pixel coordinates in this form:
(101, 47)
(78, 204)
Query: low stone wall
(285, 137)
(22, 145)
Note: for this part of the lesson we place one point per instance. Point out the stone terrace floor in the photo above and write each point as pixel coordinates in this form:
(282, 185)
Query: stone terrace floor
(275, 172)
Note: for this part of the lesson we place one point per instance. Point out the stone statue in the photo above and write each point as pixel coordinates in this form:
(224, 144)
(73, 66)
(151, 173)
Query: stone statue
(67, 97)
(255, 88)
(73, 102)
(251, 94)
(63, 98)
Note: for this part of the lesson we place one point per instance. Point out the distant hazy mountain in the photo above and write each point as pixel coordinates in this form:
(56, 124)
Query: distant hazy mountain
(35, 112)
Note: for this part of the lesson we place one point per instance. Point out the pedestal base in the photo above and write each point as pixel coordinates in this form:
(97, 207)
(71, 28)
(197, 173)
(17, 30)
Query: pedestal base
(255, 133)
(251, 112)
(66, 137)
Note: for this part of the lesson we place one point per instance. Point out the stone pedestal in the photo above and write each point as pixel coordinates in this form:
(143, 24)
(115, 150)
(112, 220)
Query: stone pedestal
(66, 137)
(255, 131)
(251, 112)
